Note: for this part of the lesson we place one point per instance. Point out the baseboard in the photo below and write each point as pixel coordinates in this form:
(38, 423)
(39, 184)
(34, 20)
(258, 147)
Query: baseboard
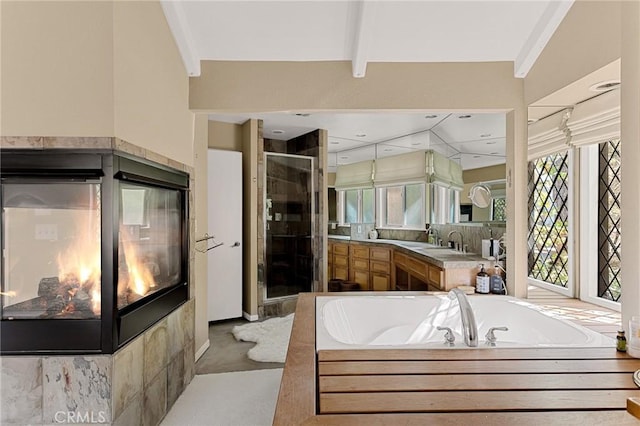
(249, 317)
(203, 349)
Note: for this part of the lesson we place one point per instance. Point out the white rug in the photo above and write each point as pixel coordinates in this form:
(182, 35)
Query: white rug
(271, 337)
(243, 398)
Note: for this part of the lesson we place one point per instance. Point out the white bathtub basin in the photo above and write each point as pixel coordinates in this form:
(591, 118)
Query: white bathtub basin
(410, 321)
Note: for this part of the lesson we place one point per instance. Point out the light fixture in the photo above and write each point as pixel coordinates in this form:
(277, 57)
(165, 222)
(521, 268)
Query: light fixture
(344, 157)
(300, 114)
(485, 135)
(360, 135)
(277, 132)
(493, 153)
(431, 116)
(464, 116)
(491, 142)
(334, 143)
(476, 156)
(416, 143)
(388, 149)
(604, 86)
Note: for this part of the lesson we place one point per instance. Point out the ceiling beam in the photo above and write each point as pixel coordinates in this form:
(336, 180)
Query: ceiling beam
(174, 13)
(362, 35)
(540, 36)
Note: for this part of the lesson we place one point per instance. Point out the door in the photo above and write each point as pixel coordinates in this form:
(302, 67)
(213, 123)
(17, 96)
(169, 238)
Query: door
(289, 215)
(225, 223)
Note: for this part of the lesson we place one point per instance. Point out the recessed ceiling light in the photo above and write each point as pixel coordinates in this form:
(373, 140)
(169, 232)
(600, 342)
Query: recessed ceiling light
(485, 135)
(334, 143)
(416, 143)
(344, 157)
(300, 114)
(388, 149)
(491, 143)
(431, 116)
(360, 135)
(277, 131)
(464, 116)
(603, 86)
(493, 153)
(476, 156)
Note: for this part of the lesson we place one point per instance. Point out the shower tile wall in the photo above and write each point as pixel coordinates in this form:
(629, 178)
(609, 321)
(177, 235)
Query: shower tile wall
(309, 145)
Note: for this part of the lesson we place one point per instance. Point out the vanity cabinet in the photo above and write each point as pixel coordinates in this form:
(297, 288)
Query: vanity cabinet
(380, 269)
(414, 274)
(340, 261)
(359, 265)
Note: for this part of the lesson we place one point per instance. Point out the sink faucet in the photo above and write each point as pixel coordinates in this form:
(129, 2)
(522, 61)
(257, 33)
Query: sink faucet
(461, 248)
(469, 326)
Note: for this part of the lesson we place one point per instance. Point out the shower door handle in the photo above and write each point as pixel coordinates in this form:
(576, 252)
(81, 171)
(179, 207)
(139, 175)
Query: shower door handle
(236, 244)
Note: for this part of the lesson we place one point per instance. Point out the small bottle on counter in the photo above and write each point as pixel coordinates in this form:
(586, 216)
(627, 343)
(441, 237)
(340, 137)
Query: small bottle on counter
(496, 281)
(482, 281)
(621, 342)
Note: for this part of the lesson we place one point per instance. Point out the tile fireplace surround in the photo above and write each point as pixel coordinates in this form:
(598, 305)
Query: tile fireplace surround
(136, 385)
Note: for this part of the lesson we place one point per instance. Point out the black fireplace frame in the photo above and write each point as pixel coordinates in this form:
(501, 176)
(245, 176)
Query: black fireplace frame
(115, 327)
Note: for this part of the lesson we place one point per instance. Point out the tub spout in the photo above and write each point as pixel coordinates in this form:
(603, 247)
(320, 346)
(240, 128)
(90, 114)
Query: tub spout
(469, 327)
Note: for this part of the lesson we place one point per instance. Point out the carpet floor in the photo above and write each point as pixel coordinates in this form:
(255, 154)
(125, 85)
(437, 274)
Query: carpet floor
(243, 398)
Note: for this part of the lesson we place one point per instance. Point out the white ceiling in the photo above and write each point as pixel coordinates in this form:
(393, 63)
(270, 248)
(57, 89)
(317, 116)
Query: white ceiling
(372, 31)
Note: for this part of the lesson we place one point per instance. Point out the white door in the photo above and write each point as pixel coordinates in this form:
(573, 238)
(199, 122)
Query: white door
(225, 223)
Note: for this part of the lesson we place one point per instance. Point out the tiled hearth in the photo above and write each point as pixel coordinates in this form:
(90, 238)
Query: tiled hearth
(136, 385)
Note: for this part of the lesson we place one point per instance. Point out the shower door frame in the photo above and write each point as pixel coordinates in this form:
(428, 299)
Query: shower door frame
(312, 223)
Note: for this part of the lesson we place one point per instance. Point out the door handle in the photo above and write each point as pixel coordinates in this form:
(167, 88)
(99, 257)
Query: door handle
(236, 244)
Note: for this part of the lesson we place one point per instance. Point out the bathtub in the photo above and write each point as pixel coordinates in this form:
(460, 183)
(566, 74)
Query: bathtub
(370, 322)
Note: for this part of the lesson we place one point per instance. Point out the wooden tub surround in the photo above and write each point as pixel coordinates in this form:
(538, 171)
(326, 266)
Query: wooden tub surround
(537, 386)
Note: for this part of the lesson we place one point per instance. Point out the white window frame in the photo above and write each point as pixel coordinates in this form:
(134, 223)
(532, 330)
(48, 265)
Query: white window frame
(381, 206)
(570, 290)
(341, 207)
(588, 217)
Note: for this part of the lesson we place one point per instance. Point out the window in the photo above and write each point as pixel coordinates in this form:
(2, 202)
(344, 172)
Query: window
(356, 206)
(609, 286)
(499, 209)
(402, 206)
(549, 219)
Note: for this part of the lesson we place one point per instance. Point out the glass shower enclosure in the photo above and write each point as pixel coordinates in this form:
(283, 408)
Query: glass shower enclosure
(289, 216)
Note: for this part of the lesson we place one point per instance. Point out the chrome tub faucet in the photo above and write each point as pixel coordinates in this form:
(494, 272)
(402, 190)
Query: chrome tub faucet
(469, 326)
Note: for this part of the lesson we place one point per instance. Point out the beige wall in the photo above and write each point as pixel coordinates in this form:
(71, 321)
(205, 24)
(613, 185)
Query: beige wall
(225, 136)
(278, 86)
(151, 97)
(331, 179)
(57, 68)
(95, 68)
(201, 205)
(587, 39)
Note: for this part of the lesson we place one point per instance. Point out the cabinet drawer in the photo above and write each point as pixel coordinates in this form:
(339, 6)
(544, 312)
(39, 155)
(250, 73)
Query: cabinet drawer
(380, 267)
(361, 264)
(417, 268)
(380, 254)
(341, 249)
(359, 251)
(341, 261)
(399, 259)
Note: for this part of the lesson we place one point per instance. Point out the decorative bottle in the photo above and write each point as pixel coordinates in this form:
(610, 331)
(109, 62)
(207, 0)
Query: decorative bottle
(496, 282)
(482, 281)
(621, 342)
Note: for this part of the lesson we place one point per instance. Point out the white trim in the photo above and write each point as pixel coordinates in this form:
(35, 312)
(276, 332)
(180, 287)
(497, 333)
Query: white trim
(551, 287)
(202, 349)
(363, 21)
(540, 36)
(174, 13)
(572, 228)
(248, 317)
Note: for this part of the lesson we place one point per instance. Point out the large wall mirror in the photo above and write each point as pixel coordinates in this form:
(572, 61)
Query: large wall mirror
(483, 198)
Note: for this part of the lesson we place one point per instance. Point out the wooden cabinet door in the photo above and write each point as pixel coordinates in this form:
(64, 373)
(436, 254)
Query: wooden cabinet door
(341, 249)
(341, 272)
(362, 278)
(435, 277)
(380, 282)
(378, 253)
(360, 264)
(359, 251)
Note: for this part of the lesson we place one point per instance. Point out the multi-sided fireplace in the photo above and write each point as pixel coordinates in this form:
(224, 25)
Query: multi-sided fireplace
(94, 249)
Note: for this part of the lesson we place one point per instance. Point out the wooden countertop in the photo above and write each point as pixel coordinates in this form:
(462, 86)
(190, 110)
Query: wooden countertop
(576, 386)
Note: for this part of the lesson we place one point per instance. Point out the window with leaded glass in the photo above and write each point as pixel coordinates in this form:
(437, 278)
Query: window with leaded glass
(549, 219)
(609, 286)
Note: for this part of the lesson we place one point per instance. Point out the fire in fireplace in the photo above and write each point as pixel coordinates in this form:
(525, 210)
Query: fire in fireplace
(94, 249)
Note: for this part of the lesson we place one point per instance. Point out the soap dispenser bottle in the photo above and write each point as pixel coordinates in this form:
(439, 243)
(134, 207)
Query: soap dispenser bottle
(482, 281)
(496, 283)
